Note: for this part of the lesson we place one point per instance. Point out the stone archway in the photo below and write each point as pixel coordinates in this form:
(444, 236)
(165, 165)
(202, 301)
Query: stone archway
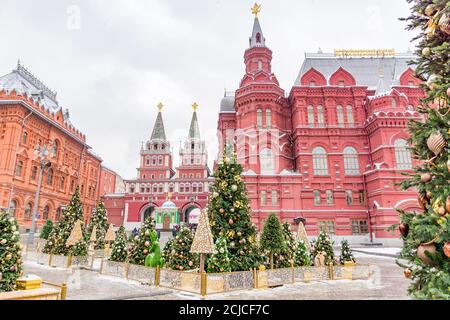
(147, 212)
(191, 214)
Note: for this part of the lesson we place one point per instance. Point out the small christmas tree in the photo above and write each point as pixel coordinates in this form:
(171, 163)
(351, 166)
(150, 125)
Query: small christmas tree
(142, 243)
(286, 256)
(229, 210)
(181, 257)
(165, 256)
(220, 261)
(324, 244)
(56, 243)
(119, 248)
(301, 234)
(272, 238)
(46, 230)
(99, 220)
(203, 242)
(10, 252)
(302, 256)
(76, 244)
(346, 253)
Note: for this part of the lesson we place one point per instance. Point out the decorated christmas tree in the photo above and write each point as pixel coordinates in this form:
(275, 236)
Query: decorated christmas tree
(76, 244)
(142, 243)
(302, 256)
(180, 257)
(203, 242)
(46, 230)
(272, 239)
(426, 234)
(220, 261)
(230, 215)
(10, 252)
(286, 256)
(165, 255)
(324, 244)
(99, 219)
(346, 253)
(119, 248)
(56, 243)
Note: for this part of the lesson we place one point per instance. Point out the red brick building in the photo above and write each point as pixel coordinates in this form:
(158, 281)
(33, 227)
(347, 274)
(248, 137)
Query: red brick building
(332, 149)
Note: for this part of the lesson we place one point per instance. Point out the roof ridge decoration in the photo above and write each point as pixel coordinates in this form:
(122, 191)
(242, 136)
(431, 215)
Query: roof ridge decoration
(24, 72)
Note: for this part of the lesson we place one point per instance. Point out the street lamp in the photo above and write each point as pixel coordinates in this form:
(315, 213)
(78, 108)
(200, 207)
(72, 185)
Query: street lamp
(42, 153)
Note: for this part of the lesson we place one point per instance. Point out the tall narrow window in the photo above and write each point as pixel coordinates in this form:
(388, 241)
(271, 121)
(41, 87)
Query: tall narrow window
(25, 138)
(259, 116)
(200, 187)
(267, 161)
(12, 208)
(258, 37)
(55, 148)
(310, 116)
(27, 214)
(263, 198)
(268, 118)
(62, 183)
(171, 189)
(349, 196)
(402, 155)
(320, 116)
(45, 213)
(362, 197)
(351, 164)
(330, 198)
(50, 177)
(274, 197)
(260, 65)
(19, 168)
(34, 173)
(350, 116)
(320, 161)
(394, 103)
(340, 116)
(317, 199)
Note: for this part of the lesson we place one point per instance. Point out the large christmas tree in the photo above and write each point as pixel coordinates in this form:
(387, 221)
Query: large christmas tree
(180, 257)
(272, 239)
(230, 215)
(285, 258)
(56, 243)
(10, 252)
(99, 219)
(426, 234)
(142, 243)
(120, 248)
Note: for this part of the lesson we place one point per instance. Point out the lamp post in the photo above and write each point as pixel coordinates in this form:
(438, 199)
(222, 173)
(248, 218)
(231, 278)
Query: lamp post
(42, 154)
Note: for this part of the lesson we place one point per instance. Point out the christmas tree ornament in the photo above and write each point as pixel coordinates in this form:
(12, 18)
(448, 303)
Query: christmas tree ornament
(230, 222)
(430, 10)
(448, 92)
(426, 51)
(203, 240)
(444, 24)
(404, 229)
(407, 272)
(426, 247)
(446, 249)
(147, 243)
(441, 211)
(429, 195)
(436, 143)
(234, 188)
(425, 177)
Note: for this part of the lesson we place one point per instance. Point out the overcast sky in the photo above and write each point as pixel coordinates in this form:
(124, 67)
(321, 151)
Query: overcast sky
(112, 61)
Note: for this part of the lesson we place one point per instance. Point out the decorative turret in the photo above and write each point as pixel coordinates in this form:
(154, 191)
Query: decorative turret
(194, 132)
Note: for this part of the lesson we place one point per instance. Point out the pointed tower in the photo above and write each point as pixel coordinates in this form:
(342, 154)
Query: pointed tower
(193, 172)
(262, 111)
(156, 158)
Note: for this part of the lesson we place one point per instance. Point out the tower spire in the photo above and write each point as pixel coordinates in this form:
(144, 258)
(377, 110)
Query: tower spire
(257, 39)
(158, 132)
(194, 132)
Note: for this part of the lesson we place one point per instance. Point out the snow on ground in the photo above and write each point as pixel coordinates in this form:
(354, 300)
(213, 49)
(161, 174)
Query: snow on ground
(383, 250)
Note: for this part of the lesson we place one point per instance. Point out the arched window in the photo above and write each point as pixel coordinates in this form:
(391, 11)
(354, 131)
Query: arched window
(320, 161)
(200, 187)
(182, 188)
(155, 188)
(55, 148)
(154, 160)
(310, 116)
(258, 37)
(312, 83)
(58, 214)
(161, 188)
(350, 117)
(194, 188)
(267, 161)
(13, 208)
(340, 115)
(351, 164)
(320, 116)
(25, 137)
(260, 65)
(19, 168)
(171, 189)
(50, 177)
(259, 118)
(268, 118)
(34, 173)
(62, 183)
(394, 103)
(160, 160)
(27, 214)
(187, 188)
(45, 213)
(402, 155)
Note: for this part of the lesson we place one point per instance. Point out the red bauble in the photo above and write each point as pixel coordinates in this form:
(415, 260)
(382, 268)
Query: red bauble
(425, 177)
(230, 222)
(421, 252)
(404, 229)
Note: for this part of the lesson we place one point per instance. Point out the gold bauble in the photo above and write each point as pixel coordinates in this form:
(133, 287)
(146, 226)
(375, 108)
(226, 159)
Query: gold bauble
(425, 177)
(436, 143)
(426, 52)
(407, 272)
(421, 252)
(430, 10)
(446, 249)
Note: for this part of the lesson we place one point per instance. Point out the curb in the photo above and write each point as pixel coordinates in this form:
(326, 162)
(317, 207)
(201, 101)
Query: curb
(390, 255)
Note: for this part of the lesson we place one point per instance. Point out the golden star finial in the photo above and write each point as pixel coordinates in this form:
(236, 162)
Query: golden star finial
(256, 9)
(195, 106)
(160, 106)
